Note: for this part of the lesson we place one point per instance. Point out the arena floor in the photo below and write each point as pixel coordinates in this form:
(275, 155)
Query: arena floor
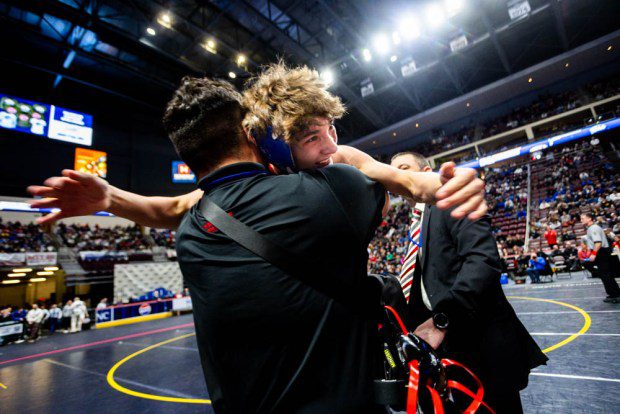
(154, 366)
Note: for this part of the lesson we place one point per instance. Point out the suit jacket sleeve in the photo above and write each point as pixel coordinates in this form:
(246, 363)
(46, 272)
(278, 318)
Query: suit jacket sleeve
(479, 273)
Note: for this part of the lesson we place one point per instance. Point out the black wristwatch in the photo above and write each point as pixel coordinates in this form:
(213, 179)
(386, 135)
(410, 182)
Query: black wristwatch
(440, 320)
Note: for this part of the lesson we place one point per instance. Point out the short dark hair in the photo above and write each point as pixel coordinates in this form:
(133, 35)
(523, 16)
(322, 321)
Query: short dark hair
(419, 158)
(203, 121)
(588, 215)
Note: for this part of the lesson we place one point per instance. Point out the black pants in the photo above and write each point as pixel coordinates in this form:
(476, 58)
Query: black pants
(606, 268)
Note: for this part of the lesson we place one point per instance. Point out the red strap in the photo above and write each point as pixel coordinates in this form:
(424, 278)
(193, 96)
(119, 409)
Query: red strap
(400, 321)
(414, 382)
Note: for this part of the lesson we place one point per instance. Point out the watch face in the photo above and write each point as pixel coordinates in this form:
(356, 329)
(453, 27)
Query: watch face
(440, 320)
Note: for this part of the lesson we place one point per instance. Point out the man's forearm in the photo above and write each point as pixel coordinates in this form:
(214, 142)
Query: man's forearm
(413, 185)
(159, 212)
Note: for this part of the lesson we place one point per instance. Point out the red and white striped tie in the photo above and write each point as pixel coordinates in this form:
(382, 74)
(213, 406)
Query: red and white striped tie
(406, 273)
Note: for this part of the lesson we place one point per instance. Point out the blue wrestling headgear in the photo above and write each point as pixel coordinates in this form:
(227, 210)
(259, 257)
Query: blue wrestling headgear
(275, 150)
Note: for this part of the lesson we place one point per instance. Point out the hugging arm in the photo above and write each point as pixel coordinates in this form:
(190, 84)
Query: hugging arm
(79, 194)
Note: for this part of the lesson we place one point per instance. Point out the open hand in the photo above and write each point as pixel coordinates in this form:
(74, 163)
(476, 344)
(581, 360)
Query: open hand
(75, 194)
(461, 189)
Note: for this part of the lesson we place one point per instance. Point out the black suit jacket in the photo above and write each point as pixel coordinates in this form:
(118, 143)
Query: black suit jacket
(460, 266)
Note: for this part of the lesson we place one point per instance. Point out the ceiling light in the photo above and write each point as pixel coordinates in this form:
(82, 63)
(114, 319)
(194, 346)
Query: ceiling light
(16, 275)
(23, 270)
(566, 64)
(396, 38)
(366, 55)
(151, 31)
(417, 125)
(394, 58)
(232, 75)
(210, 45)
(409, 28)
(38, 279)
(530, 80)
(453, 7)
(240, 60)
(381, 43)
(468, 104)
(51, 268)
(44, 274)
(165, 20)
(435, 17)
(328, 76)
(393, 134)
(9, 282)
(610, 48)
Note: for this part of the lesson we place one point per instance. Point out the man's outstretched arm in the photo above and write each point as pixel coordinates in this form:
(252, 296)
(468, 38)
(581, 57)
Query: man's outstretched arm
(451, 187)
(79, 194)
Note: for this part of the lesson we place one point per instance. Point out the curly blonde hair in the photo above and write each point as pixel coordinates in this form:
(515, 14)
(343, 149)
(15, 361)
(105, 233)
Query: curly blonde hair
(288, 99)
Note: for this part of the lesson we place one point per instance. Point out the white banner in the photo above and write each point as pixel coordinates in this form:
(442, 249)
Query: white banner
(366, 87)
(408, 67)
(41, 259)
(518, 9)
(12, 259)
(11, 328)
(458, 43)
(181, 304)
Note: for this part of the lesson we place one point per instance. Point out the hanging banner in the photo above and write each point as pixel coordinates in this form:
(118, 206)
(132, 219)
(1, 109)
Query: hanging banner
(366, 87)
(41, 259)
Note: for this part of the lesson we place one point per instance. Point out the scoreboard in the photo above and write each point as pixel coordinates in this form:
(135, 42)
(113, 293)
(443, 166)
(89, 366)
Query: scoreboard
(45, 120)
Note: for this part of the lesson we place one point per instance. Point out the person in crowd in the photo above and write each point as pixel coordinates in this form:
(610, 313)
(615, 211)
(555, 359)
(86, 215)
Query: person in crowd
(537, 264)
(450, 278)
(34, 318)
(19, 315)
(46, 316)
(55, 318)
(67, 312)
(551, 236)
(600, 255)
(103, 303)
(78, 313)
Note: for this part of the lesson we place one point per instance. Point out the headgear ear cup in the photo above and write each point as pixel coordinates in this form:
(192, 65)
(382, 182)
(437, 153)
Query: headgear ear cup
(275, 150)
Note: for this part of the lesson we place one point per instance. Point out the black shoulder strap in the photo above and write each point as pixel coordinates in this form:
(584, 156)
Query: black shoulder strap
(356, 298)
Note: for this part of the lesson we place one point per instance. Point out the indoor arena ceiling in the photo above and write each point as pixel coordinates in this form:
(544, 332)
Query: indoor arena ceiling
(405, 56)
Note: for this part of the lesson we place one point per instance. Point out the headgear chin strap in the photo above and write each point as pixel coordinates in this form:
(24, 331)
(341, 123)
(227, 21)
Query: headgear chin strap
(275, 150)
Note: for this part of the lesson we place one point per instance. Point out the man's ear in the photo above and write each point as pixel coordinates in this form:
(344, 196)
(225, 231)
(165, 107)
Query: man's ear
(249, 136)
(427, 169)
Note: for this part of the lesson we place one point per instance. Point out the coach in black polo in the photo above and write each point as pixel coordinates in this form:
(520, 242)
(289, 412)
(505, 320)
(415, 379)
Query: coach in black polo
(268, 342)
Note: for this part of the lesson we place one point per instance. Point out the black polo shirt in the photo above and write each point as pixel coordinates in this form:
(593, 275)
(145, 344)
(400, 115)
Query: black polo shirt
(267, 341)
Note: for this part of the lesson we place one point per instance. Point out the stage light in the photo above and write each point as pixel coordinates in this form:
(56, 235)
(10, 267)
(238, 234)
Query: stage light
(210, 45)
(435, 16)
(44, 274)
(23, 270)
(417, 125)
(232, 75)
(610, 48)
(454, 7)
(381, 43)
(393, 134)
(468, 104)
(530, 80)
(393, 58)
(9, 282)
(38, 279)
(16, 275)
(151, 31)
(366, 55)
(51, 268)
(241, 59)
(409, 28)
(165, 20)
(396, 38)
(567, 64)
(328, 76)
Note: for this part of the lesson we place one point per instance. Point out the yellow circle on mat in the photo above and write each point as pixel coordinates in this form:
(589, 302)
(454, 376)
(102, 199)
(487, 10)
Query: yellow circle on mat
(125, 390)
(587, 321)
(110, 377)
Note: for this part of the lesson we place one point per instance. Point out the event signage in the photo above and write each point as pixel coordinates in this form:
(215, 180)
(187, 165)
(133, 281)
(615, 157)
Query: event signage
(91, 162)
(544, 143)
(41, 258)
(45, 120)
(181, 173)
(518, 9)
(11, 328)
